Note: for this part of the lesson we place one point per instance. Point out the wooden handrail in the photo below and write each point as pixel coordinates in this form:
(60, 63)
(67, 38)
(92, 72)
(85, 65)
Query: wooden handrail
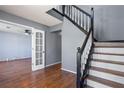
(80, 80)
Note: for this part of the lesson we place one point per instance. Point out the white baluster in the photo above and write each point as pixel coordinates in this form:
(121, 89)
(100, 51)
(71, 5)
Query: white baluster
(81, 18)
(75, 15)
(65, 10)
(84, 22)
(78, 17)
(72, 13)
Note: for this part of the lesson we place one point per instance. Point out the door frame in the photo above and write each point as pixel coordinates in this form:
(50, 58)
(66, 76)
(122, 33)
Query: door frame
(34, 68)
(31, 28)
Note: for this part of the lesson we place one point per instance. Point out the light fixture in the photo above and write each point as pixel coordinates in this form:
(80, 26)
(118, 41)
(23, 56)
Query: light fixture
(27, 32)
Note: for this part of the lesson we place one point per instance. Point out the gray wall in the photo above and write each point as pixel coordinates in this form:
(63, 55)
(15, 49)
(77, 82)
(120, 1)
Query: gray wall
(109, 21)
(72, 38)
(53, 47)
(14, 46)
(55, 28)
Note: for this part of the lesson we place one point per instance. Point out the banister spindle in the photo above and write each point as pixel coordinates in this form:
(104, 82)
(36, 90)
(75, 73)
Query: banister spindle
(73, 10)
(83, 20)
(86, 23)
(70, 11)
(89, 23)
(78, 17)
(75, 14)
(61, 8)
(65, 10)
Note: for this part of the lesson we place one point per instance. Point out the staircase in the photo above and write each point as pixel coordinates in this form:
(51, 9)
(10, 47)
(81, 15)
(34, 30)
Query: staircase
(107, 65)
(99, 64)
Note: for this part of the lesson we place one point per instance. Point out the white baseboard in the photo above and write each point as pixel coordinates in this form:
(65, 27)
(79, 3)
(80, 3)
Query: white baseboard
(13, 59)
(68, 70)
(53, 64)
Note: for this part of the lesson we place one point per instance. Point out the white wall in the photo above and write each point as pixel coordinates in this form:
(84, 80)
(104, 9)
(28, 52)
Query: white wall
(14, 46)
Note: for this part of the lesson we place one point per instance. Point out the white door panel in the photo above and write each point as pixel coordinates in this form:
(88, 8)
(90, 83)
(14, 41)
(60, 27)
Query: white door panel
(38, 48)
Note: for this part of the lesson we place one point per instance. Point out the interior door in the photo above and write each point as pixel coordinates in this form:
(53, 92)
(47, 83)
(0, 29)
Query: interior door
(38, 49)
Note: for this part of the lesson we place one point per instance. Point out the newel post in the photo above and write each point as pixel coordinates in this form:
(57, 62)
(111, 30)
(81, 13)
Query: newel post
(92, 22)
(78, 82)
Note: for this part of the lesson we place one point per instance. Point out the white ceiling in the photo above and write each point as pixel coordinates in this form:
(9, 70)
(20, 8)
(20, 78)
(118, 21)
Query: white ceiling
(35, 13)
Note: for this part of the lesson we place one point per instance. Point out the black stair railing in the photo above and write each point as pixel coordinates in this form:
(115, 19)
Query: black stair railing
(76, 15)
(85, 22)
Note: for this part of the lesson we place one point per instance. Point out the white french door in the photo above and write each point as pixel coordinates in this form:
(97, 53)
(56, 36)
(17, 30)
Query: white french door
(38, 49)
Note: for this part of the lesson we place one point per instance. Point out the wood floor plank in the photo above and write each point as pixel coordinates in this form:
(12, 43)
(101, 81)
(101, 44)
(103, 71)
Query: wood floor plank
(18, 74)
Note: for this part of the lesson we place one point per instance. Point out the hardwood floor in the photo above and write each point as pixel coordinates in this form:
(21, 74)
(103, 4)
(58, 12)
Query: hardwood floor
(18, 74)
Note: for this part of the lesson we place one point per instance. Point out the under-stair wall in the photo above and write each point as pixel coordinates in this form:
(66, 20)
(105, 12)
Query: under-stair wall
(72, 38)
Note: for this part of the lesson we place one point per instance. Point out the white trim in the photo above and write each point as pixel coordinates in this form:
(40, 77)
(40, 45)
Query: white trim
(68, 70)
(17, 24)
(13, 59)
(53, 64)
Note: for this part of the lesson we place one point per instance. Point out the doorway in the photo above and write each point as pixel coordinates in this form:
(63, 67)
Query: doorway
(36, 50)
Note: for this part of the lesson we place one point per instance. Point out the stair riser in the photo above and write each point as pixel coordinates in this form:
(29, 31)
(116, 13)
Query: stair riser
(107, 76)
(110, 66)
(108, 57)
(96, 84)
(109, 44)
(109, 50)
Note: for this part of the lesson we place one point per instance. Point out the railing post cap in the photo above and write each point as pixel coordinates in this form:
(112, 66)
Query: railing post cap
(78, 48)
(92, 8)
